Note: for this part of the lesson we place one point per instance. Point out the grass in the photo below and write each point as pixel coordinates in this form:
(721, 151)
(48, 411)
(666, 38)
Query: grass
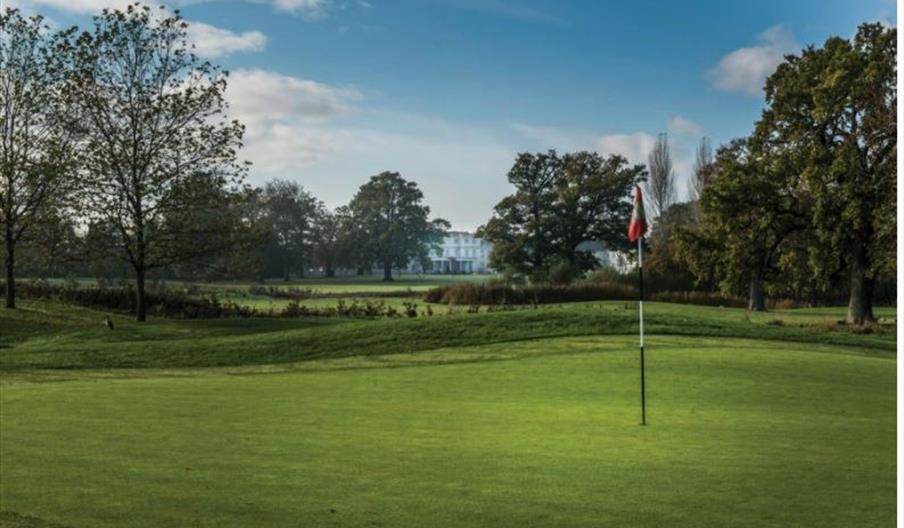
(522, 418)
(172, 344)
(539, 433)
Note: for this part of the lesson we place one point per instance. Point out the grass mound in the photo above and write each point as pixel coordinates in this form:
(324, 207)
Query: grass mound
(75, 344)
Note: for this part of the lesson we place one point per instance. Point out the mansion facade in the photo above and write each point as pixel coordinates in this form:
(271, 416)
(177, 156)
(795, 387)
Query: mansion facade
(460, 252)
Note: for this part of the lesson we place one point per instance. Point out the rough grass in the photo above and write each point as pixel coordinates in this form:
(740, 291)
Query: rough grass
(539, 432)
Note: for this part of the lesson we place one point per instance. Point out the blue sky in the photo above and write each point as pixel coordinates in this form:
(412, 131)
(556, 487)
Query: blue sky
(448, 91)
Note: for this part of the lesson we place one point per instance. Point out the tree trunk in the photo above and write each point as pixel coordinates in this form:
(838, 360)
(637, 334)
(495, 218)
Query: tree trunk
(387, 271)
(329, 272)
(140, 300)
(757, 301)
(860, 304)
(10, 269)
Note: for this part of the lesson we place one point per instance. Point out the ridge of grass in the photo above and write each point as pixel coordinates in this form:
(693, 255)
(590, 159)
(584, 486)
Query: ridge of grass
(65, 343)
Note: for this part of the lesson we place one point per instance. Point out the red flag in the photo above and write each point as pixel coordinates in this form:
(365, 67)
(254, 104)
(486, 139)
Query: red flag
(638, 218)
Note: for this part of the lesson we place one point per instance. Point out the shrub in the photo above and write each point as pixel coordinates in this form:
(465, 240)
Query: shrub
(562, 273)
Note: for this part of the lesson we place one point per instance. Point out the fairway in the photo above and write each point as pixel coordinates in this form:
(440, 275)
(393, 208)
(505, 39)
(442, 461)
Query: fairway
(540, 432)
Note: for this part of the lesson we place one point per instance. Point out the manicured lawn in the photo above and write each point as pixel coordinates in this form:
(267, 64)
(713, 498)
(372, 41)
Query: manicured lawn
(533, 433)
(516, 418)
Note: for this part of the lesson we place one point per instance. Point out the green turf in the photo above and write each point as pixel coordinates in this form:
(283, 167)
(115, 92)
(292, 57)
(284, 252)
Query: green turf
(84, 343)
(534, 433)
(521, 418)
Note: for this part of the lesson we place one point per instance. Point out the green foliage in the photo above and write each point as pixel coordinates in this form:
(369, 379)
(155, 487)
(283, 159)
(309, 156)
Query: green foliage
(158, 171)
(559, 203)
(290, 214)
(36, 139)
(392, 224)
(834, 108)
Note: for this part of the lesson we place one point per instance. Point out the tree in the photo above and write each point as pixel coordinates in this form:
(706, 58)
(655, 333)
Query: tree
(391, 212)
(661, 190)
(749, 210)
(520, 226)
(559, 203)
(702, 168)
(35, 138)
(330, 239)
(159, 155)
(836, 105)
(290, 215)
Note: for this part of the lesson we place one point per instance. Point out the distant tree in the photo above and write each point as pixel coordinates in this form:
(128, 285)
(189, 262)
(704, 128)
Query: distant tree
(836, 105)
(559, 203)
(331, 244)
(398, 228)
(702, 168)
(159, 156)
(35, 135)
(290, 215)
(661, 190)
(662, 263)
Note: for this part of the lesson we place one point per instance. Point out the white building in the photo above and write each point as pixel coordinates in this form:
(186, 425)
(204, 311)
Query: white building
(460, 252)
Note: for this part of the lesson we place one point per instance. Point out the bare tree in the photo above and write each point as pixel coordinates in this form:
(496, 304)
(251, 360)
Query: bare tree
(160, 166)
(661, 183)
(703, 168)
(34, 142)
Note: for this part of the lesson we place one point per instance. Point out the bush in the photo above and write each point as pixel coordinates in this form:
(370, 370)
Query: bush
(161, 301)
(500, 294)
(562, 273)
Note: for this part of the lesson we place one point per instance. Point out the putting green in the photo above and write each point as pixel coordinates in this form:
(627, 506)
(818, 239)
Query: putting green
(532, 433)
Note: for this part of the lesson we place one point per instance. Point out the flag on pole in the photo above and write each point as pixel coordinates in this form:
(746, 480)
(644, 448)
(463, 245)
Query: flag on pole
(635, 232)
(638, 218)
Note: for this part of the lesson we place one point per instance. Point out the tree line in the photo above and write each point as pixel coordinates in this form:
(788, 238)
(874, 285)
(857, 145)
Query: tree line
(805, 207)
(116, 146)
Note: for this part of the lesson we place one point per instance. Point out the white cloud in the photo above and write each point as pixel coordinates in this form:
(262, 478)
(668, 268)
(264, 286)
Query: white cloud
(75, 6)
(635, 147)
(308, 8)
(682, 125)
(286, 117)
(210, 41)
(215, 42)
(260, 96)
(745, 70)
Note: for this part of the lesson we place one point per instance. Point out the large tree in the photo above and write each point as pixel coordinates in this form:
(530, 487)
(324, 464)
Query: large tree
(390, 211)
(35, 137)
(560, 202)
(159, 154)
(520, 226)
(836, 105)
(748, 211)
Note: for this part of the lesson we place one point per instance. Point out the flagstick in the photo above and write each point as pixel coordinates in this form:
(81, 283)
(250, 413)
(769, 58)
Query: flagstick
(643, 391)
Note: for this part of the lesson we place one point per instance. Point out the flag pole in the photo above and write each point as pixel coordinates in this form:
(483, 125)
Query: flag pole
(643, 391)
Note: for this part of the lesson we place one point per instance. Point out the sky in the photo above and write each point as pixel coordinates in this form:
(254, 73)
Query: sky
(447, 92)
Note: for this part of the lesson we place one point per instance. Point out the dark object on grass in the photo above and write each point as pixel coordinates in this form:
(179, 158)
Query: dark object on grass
(108, 323)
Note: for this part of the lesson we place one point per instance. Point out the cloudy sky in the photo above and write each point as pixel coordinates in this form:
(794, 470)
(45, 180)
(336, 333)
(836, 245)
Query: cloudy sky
(448, 91)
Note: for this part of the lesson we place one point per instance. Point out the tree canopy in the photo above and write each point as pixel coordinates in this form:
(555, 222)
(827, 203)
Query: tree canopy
(560, 202)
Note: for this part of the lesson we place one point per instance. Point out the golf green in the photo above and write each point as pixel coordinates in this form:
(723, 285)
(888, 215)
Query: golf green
(542, 432)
